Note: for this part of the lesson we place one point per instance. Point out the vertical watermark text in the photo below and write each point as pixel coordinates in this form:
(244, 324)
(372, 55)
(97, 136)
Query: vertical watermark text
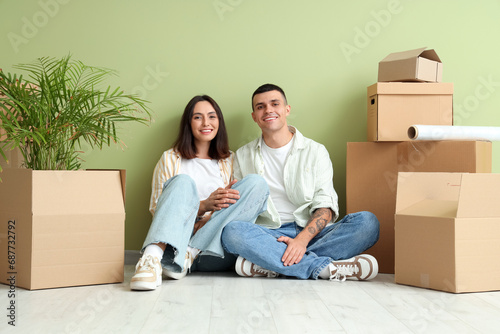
(11, 273)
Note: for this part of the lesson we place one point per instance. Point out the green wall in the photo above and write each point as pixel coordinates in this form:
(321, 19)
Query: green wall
(323, 53)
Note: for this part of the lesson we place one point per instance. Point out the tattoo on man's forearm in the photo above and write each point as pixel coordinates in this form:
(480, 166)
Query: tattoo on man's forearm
(321, 223)
(322, 217)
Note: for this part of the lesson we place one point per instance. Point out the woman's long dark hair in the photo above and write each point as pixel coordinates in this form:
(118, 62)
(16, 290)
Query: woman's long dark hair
(184, 144)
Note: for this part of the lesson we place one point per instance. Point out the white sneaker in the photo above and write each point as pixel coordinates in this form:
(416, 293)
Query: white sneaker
(188, 262)
(147, 274)
(248, 269)
(362, 267)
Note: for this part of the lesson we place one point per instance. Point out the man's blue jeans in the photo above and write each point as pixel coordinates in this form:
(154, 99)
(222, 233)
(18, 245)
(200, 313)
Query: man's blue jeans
(176, 212)
(350, 236)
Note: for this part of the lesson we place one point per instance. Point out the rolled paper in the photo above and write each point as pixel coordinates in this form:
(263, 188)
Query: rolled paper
(451, 132)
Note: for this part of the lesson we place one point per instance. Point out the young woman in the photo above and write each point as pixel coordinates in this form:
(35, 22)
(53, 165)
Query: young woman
(193, 197)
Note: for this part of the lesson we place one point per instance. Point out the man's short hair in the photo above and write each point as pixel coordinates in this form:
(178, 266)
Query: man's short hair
(267, 88)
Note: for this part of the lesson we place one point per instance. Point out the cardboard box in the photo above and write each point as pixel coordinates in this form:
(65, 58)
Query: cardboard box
(394, 106)
(372, 174)
(61, 228)
(448, 231)
(413, 65)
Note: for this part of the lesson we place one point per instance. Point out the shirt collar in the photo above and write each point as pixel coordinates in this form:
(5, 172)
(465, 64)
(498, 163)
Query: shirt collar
(297, 144)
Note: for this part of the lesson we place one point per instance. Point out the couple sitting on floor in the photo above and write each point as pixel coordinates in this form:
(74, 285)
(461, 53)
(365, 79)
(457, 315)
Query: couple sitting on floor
(275, 215)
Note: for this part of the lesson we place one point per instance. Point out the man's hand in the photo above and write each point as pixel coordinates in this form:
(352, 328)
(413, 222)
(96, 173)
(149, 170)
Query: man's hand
(219, 199)
(295, 250)
(297, 247)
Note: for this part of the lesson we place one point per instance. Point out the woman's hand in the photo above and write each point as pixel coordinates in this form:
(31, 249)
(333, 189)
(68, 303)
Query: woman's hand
(219, 199)
(200, 223)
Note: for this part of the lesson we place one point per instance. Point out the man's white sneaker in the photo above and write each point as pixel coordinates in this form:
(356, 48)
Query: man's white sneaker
(362, 267)
(248, 269)
(188, 262)
(147, 274)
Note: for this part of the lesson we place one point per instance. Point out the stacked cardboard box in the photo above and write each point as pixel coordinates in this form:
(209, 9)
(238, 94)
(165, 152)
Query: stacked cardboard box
(372, 178)
(418, 97)
(447, 225)
(395, 106)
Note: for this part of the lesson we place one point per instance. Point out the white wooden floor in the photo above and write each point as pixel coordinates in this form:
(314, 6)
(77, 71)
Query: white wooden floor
(225, 303)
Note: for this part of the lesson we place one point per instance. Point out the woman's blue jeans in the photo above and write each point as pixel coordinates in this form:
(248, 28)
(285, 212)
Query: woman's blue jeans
(176, 212)
(350, 236)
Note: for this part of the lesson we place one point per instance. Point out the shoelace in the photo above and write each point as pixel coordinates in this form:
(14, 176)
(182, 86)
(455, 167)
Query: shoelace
(343, 271)
(266, 272)
(189, 259)
(147, 263)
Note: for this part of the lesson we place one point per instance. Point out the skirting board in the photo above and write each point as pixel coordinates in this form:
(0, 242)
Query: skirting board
(132, 256)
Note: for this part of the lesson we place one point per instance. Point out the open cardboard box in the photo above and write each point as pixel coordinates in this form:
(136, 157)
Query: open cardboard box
(395, 106)
(413, 65)
(372, 176)
(61, 228)
(448, 231)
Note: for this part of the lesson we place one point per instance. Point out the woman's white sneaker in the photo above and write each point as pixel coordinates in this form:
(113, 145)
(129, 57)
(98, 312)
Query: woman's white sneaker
(147, 274)
(188, 262)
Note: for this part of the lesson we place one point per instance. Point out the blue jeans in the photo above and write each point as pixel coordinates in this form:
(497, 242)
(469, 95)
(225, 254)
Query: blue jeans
(176, 212)
(350, 236)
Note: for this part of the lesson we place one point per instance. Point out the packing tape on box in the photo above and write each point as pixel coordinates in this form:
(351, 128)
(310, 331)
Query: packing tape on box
(451, 132)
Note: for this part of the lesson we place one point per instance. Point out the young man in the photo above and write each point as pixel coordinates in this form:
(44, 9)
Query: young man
(296, 236)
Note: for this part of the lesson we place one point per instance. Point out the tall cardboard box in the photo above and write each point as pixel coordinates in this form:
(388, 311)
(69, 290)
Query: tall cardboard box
(394, 106)
(61, 228)
(413, 65)
(372, 175)
(448, 231)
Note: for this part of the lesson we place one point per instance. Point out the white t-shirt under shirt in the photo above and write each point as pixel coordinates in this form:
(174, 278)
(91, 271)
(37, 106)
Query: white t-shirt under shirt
(205, 173)
(274, 166)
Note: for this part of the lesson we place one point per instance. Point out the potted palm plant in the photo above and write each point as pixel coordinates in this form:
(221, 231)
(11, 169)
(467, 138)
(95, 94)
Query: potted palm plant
(64, 226)
(61, 104)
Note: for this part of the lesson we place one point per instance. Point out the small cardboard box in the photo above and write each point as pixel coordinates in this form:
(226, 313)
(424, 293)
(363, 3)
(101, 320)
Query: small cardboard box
(394, 106)
(413, 65)
(372, 174)
(61, 228)
(448, 231)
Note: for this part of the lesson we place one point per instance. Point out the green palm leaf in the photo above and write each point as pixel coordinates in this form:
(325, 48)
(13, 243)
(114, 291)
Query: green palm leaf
(59, 104)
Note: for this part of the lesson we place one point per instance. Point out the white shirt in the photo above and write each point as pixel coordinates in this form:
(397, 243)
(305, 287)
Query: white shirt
(169, 165)
(274, 167)
(205, 173)
(308, 178)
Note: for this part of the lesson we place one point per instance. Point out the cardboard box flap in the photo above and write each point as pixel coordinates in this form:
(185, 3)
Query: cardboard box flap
(404, 54)
(420, 52)
(123, 176)
(20, 180)
(431, 55)
(52, 192)
(475, 195)
(432, 208)
(414, 188)
(479, 196)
